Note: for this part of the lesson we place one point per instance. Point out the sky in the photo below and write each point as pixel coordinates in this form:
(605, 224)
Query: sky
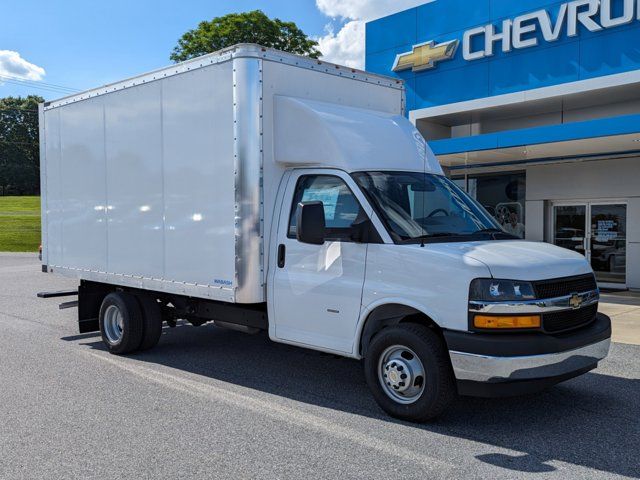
(55, 47)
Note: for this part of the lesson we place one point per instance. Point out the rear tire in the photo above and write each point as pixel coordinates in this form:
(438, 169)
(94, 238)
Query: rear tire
(409, 373)
(152, 328)
(121, 323)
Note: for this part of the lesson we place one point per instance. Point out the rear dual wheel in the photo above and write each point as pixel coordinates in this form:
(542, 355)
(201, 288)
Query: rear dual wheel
(129, 323)
(408, 371)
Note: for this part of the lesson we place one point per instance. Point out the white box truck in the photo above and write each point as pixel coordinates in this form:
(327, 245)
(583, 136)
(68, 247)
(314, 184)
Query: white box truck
(264, 191)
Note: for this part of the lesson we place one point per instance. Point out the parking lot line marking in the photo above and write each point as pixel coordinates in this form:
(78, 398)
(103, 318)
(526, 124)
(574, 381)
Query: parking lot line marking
(275, 411)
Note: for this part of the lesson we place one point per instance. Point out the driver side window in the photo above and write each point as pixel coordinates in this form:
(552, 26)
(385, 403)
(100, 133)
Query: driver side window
(341, 208)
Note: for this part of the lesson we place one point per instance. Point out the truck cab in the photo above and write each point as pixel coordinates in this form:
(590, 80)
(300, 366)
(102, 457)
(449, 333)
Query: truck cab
(399, 266)
(405, 270)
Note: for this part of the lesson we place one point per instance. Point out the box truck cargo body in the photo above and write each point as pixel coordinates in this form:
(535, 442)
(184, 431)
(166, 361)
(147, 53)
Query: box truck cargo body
(266, 191)
(176, 165)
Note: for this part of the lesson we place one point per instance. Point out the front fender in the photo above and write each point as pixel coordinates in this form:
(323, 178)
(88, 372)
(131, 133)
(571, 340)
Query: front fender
(398, 307)
(433, 279)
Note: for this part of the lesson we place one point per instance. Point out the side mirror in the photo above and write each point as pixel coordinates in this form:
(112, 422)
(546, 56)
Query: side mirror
(310, 223)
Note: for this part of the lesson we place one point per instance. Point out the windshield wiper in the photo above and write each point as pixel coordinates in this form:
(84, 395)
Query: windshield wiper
(439, 234)
(427, 236)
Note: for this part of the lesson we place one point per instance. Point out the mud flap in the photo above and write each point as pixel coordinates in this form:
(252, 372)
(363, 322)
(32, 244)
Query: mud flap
(90, 297)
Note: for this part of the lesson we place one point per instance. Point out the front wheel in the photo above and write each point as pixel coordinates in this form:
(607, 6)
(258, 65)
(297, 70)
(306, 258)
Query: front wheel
(408, 372)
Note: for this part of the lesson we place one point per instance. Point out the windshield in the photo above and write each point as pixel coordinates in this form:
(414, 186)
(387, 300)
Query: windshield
(417, 206)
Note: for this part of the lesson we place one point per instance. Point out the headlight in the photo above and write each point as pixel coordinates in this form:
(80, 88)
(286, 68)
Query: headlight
(490, 290)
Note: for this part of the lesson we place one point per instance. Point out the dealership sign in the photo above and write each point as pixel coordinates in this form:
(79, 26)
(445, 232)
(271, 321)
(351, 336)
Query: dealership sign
(524, 31)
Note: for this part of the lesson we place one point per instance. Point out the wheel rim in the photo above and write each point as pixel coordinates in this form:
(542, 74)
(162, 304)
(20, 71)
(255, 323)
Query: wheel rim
(113, 324)
(401, 374)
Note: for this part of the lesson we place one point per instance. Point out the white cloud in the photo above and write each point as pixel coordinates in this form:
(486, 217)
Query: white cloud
(346, 47)
(13, 65)
(364, 9)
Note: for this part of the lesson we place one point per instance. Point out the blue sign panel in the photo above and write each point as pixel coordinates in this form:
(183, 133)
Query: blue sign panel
(449, 51)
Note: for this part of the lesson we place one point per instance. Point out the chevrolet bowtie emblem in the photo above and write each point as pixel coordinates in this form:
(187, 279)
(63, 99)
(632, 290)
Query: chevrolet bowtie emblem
(425, 56)
(575, 301)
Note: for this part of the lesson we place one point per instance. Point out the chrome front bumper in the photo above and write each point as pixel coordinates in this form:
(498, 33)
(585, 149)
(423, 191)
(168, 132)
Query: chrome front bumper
(492, 369)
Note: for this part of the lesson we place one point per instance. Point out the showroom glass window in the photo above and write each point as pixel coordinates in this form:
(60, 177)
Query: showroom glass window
(503, 195)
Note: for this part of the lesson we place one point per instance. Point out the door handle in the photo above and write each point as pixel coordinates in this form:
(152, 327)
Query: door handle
(282, 250)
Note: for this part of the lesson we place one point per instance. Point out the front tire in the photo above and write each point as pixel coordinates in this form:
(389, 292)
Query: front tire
(408, 371)
(121, 323)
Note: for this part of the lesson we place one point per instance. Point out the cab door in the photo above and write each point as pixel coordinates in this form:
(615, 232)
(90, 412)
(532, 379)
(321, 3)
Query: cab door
(317, 289)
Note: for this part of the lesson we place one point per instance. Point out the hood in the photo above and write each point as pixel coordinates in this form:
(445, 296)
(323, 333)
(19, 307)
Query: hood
(519, 259)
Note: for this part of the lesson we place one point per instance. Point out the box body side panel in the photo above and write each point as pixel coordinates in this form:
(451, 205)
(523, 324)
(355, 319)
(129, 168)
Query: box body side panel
(83, 186)
(199, 176)
(133, 133)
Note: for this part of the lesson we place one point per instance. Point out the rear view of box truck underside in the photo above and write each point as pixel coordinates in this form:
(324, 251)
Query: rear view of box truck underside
(167, 181)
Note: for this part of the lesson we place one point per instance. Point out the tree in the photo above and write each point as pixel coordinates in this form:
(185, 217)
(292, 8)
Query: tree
(248, 27)
(19, 147)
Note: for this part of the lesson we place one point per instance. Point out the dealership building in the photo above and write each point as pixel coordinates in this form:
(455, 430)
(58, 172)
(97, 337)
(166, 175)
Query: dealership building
(533, 107)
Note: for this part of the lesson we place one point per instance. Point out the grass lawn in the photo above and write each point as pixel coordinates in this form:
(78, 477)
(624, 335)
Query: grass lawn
(19, 224)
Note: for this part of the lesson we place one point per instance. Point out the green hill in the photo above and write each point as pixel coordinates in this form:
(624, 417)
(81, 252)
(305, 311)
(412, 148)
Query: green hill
(19, 224)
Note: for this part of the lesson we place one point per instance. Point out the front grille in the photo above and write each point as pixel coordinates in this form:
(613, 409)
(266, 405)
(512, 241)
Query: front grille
(569, 319)
(561, 287)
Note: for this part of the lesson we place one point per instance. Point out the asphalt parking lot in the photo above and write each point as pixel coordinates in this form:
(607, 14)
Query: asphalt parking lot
(210, 403)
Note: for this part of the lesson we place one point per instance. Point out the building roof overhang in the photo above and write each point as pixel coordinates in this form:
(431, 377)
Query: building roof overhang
(587, 92)
(599, 135)
(591, 148)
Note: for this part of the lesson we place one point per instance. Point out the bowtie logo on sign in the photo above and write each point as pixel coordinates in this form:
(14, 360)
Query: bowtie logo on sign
(425, 56)
(524, 31)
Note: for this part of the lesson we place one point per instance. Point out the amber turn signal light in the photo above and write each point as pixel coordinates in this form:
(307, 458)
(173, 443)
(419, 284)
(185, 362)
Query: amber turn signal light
(489, 321)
